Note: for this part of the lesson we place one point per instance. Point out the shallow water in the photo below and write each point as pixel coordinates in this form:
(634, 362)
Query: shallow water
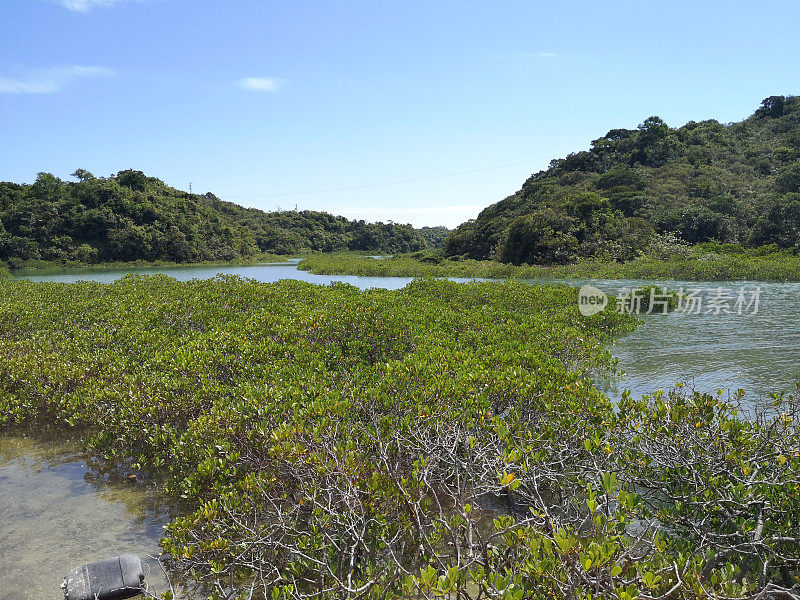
(265, 272)
(57, 513)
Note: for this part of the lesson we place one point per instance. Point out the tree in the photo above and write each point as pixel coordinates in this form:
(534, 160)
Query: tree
(135, 180)
(540, 238)
(789, 178)
(780, 225)
(620, 176)
(82, 174)
(46, 187)
(771, 107)
(655, 143)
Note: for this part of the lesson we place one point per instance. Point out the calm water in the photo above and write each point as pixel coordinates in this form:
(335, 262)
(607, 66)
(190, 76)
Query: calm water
(759, 353)
(268, 272)
(56, 512)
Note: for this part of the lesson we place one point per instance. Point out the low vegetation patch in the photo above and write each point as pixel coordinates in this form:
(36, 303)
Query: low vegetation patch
(707, 262)
(39, 267)
(440, 441)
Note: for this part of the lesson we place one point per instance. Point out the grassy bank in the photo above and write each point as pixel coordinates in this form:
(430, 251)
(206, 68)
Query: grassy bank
(40, 267)
(693, 264)
(440, 440)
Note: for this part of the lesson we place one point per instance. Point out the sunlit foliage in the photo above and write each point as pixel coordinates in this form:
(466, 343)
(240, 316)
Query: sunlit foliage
(444, 440)
(703, 182)
(130, 217)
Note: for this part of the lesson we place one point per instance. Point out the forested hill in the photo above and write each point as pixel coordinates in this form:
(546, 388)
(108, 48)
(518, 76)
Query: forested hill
(736, 183)
(134, 217)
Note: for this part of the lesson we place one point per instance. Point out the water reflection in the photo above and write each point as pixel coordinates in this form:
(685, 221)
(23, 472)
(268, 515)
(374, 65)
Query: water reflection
(759, 353)
(267, 273)
(57, 513)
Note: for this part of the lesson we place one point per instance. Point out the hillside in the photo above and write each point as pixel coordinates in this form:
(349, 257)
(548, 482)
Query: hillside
(736, 183)
(134, 217)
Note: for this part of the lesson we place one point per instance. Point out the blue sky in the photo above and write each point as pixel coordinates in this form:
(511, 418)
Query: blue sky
(421, 112)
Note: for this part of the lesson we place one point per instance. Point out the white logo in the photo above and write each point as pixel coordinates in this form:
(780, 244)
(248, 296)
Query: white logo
(591, 300)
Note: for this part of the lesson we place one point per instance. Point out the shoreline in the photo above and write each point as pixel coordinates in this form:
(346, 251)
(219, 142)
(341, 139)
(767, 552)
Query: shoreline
(48, 268)
(707, 266)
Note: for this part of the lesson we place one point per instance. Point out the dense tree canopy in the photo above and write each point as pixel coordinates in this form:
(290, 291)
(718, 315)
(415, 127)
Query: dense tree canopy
(704, 182)
(131, 216)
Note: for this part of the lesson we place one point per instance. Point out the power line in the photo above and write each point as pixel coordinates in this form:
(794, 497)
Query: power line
(388, 183)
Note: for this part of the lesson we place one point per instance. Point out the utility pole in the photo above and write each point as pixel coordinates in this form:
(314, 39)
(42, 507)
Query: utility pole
(190, 187)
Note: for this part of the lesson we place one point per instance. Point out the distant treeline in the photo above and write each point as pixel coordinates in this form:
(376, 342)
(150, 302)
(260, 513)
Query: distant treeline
(130, 217)
(736, 183)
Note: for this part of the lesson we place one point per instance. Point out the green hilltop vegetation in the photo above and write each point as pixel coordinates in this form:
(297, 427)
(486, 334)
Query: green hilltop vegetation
(734, 185)
(132, 217)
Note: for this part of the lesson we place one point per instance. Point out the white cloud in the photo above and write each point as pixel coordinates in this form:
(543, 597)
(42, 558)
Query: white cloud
(261, 84)
(47, 81)
(87, 5)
